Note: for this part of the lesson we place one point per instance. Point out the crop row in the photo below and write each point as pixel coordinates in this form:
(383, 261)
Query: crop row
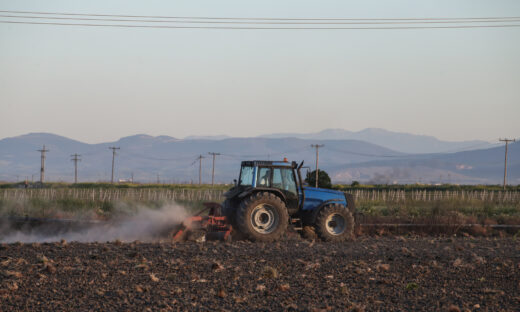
(148, 194)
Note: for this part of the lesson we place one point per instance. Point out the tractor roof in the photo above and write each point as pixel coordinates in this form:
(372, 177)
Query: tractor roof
(269, 163)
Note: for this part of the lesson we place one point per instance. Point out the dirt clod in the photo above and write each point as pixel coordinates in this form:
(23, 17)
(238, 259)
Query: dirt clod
(453, 308)
(270, 272)
(154, 278)
(222, 293)
(284, 287)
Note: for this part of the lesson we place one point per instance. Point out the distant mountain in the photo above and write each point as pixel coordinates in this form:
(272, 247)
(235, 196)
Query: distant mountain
(147, 139)
(167, 159)
(207, 137)
(327, 134)
(149, 158)
(398, 141)
(484, 166)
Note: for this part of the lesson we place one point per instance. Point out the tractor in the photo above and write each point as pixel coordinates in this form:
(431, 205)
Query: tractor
(267, 198)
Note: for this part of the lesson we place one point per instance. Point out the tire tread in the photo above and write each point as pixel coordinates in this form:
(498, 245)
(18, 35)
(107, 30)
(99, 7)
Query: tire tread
(321, 227)
(242, 217)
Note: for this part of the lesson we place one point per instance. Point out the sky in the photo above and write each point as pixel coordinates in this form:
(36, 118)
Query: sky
(97, 84)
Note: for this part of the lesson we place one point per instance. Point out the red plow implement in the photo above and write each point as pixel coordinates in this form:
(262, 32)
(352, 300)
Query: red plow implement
(200, 227)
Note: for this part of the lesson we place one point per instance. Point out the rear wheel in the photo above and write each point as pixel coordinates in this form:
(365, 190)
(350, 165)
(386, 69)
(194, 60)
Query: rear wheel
(335, 223)
(262, 217)
(229, 210)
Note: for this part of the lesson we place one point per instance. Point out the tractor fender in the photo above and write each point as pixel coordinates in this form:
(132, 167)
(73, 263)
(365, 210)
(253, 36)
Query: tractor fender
(310, 218)
(263, 189)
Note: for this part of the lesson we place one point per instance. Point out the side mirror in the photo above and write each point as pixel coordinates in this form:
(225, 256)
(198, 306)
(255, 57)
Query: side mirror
(235, 181)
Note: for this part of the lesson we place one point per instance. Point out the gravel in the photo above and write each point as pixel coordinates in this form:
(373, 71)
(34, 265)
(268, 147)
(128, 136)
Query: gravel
(371, 274)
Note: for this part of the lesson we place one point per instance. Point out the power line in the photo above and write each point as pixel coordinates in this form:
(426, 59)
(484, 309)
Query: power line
(155, 158)
(213, 170)
(291, 151)
(260, 18)
(468, 148)
(372, 155)
(260, 28)
(113, 148)
(505, 161)
(75, 159)
(282, 22)
(317, 146)
(200, 167)
(42, 168)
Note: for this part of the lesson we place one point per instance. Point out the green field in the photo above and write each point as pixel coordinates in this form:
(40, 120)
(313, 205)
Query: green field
(465, 204)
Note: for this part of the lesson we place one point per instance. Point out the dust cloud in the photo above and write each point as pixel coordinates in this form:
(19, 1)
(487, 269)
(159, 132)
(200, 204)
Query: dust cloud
(146, 225)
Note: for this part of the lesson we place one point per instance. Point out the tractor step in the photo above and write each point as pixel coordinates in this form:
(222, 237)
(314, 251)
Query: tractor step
(297, 224)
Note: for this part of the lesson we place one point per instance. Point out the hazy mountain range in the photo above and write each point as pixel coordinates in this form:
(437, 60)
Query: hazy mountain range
(398, 141)
(168, 159)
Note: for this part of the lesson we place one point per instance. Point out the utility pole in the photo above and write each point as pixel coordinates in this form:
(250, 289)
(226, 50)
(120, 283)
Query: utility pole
(113, 148)
(213, 170)
(75, 159)
(317, 147)
(42, 170)
(200, 168)
(505, 161)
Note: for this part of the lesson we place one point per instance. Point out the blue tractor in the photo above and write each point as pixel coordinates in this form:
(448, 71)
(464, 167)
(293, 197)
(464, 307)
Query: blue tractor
(270, 195)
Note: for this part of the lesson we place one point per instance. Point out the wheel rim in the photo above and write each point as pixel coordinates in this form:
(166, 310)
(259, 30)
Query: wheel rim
(335, 224)
(264, 219)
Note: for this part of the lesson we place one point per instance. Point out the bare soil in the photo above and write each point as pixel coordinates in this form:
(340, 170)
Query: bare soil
(371, 274)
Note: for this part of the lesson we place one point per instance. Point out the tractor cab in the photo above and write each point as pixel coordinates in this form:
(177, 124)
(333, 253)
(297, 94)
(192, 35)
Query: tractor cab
(280, 177)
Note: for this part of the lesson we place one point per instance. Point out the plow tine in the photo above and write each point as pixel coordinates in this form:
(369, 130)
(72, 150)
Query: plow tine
(214, 226)
(180, 233)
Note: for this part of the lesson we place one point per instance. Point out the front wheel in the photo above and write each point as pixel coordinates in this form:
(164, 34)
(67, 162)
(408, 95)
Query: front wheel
(335, 223)
(262, 217)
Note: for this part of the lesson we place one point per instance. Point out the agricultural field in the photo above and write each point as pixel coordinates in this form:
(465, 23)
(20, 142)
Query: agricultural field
(424, 205)
(109, 248)
(369, 274)
(89, 214)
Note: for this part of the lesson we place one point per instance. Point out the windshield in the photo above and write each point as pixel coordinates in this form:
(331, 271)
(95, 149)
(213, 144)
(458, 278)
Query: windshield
(246, 175)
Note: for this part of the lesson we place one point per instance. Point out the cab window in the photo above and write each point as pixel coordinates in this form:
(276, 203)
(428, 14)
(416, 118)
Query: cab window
(264, 177)
(283, 178)
(246, 175)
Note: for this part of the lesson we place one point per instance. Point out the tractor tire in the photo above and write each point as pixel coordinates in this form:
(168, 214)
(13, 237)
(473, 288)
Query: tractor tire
(262, 217)
(351, 204)
(228, 211)
(335, 223)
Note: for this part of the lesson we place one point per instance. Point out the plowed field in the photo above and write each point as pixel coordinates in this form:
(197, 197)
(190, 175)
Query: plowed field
(371, 274)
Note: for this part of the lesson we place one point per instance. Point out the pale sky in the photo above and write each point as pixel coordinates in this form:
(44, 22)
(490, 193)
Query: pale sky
(99, 84)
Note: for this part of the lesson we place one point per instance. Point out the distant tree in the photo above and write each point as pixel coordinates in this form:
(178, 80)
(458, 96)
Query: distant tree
(323, 179)
(354, 183)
